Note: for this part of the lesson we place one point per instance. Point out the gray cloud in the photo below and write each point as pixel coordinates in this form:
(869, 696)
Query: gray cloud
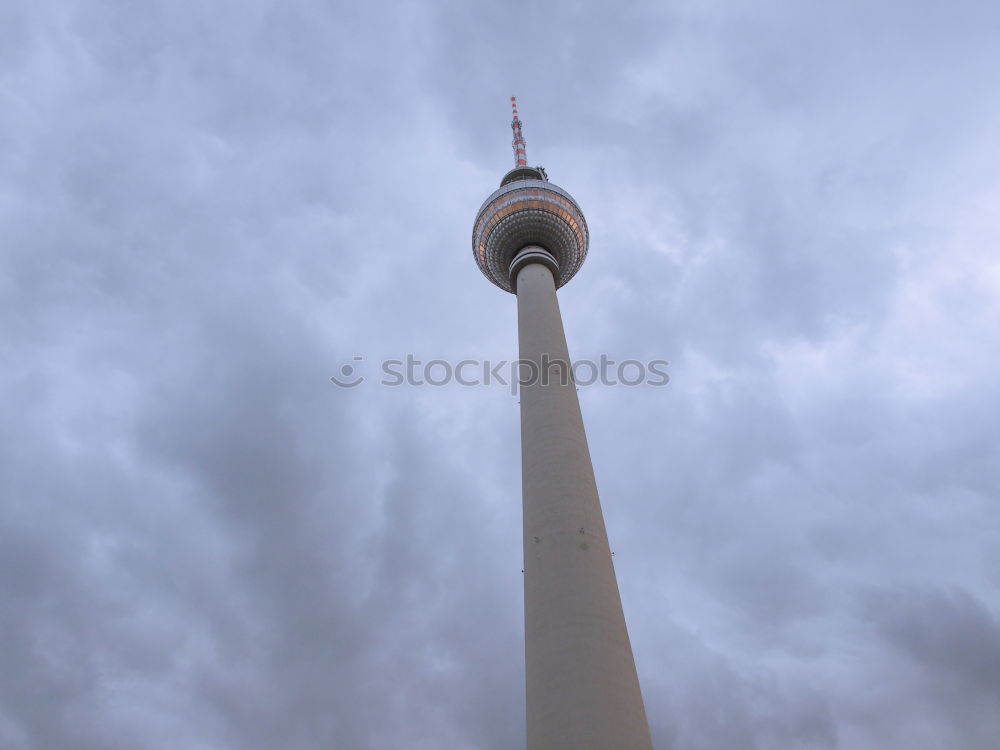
(206, 210)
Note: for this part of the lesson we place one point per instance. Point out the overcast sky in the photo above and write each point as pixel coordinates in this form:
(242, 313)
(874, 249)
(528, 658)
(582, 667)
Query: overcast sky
(206, 209)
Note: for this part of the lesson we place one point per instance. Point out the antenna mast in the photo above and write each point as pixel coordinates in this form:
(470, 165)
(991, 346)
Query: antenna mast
(520, 155)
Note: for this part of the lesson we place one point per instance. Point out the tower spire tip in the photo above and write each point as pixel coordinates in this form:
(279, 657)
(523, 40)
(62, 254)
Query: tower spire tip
(520, 151)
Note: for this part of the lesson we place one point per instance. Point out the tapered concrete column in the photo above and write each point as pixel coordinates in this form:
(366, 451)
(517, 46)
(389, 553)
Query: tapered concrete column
(582, 688)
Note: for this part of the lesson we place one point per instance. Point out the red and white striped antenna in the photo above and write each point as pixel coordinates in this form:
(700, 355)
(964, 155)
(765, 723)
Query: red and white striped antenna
(520, 154)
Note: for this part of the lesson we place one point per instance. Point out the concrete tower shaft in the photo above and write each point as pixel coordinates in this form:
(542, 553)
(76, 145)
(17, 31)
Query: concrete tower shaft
(582, 687)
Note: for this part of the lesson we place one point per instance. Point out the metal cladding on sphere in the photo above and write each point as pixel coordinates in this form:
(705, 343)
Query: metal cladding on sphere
(529, 210)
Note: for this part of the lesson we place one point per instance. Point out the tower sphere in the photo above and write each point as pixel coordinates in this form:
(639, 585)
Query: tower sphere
(528, 210)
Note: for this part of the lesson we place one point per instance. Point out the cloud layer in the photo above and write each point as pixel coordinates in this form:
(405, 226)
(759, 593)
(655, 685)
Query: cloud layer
(207, 209)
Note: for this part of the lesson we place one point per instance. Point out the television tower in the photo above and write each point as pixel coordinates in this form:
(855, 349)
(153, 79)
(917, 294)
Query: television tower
(582, 690)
